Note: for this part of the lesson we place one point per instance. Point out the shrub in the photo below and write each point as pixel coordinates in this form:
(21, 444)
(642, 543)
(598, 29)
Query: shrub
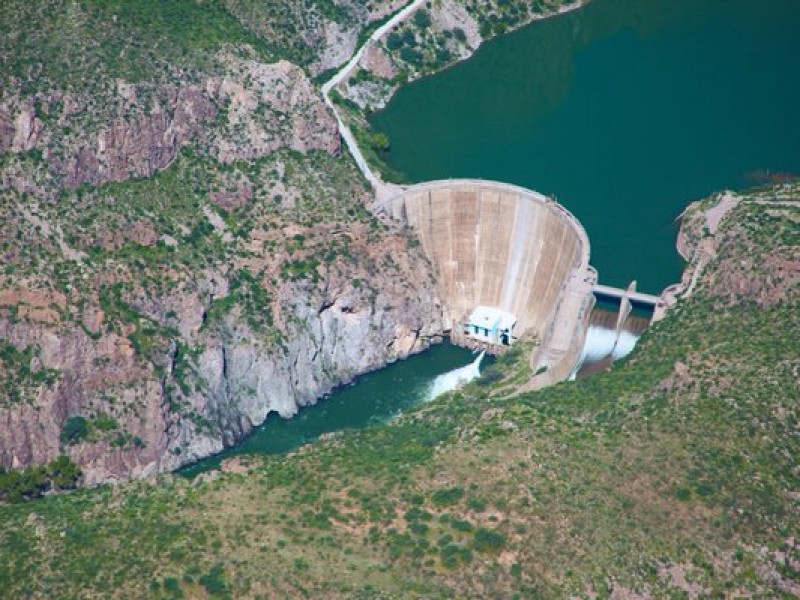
(488, 540)
(394, 41)
(422, 19)
(74, 430)
(173, 587)
(418, 528)
(443, 55)
(105, 423)
(417, 514)
(490, 375)
(63, 473)
(214, 581)
(476, 504)
(452, 554)
(447, 496)
(460, 525)
(33, 481)
(411, 55)
(444, 540)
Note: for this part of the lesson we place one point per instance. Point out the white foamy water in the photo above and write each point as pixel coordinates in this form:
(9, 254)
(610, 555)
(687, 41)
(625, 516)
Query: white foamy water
(600, 342)
(447, 382)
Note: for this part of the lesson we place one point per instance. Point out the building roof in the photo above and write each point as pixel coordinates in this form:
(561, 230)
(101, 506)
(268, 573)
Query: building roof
(490, 317)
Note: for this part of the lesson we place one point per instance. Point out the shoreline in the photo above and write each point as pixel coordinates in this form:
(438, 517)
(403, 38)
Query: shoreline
(384, 190)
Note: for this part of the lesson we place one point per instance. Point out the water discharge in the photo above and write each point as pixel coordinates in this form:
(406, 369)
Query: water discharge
(602, 343)
(447, 382)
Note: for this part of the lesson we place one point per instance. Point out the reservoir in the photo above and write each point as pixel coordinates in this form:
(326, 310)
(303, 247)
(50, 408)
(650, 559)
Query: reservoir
(624, 110)
(374, 398)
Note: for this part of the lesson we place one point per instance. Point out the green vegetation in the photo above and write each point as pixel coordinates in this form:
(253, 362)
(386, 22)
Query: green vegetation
(673, 471)
(421, 47)
(374, 146)
(21, 372)
(46, 42)
(673, 474)
(33, 482)
(422, 19)
(146, 243)
(77, 429)
(89, 43)
(500, 16)
(74, 430)
(488, 541)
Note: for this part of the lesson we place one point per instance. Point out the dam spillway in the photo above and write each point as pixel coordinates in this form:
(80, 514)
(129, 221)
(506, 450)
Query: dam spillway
(501, 245)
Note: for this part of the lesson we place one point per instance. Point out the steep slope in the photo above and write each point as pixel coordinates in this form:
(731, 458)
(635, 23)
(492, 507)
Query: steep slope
(674, 474)
(184, 248)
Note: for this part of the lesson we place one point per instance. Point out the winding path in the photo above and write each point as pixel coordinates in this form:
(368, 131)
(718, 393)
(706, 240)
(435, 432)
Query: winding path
(379, 186)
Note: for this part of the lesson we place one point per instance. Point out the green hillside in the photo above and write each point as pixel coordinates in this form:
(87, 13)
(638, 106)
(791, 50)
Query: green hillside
(675, 474)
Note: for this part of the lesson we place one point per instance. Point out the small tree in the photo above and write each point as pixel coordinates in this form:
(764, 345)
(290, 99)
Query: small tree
(422, 19)
(63, 473)
(74, 430)
(394, 40)
(488, 541)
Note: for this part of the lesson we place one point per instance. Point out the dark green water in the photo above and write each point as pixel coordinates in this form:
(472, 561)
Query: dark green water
(625, 110)
(374, 398)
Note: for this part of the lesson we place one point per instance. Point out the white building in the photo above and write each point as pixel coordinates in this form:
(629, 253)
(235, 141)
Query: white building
(491, 325)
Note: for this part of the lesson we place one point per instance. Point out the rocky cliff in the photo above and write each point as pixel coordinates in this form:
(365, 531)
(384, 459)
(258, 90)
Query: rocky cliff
(176, 388)
(183, 247)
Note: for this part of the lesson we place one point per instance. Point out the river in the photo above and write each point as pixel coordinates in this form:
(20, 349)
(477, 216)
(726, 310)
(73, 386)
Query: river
(374, 398)
(625, 111)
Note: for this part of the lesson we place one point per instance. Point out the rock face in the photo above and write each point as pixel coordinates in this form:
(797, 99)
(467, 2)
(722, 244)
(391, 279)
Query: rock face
(302, 122)
(330, 332)
(338, 331)
(171, 317)
(320, 36)
(251, 110)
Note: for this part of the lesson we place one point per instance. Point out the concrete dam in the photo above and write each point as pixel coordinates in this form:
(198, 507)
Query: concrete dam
(504, 246)
(499, 251)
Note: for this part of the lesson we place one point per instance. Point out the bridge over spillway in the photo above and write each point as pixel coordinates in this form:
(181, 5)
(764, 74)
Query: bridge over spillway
(630, 293)
(626, 299)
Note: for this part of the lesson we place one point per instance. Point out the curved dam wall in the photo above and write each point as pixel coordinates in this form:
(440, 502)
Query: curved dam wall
(501, 245)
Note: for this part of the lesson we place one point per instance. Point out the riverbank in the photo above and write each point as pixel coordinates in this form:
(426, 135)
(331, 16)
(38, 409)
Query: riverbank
(372, 399)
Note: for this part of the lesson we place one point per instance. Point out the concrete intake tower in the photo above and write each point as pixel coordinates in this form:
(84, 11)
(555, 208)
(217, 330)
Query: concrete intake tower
(500, 245)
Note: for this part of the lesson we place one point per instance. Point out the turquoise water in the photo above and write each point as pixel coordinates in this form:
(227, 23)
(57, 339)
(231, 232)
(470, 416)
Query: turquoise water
(625, 110)
(374, 398)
